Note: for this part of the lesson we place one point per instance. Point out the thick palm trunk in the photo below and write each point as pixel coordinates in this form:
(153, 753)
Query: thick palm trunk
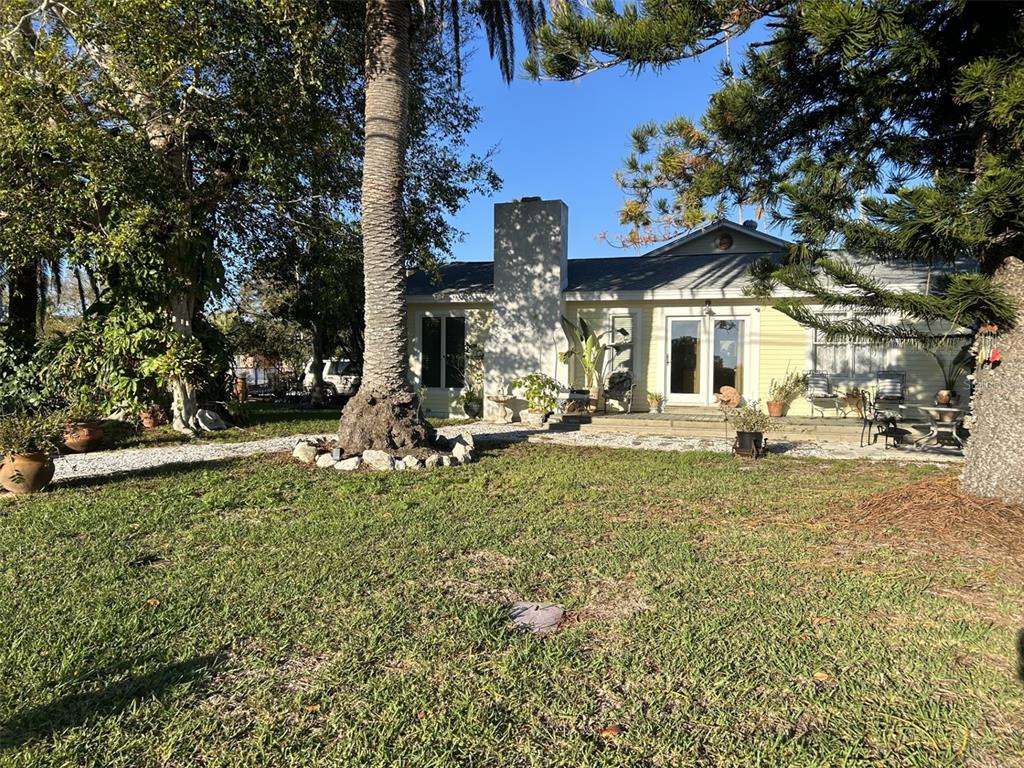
(384, 414)
(995, 453)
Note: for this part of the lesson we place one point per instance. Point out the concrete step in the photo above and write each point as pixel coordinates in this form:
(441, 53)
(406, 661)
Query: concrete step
(718, 431)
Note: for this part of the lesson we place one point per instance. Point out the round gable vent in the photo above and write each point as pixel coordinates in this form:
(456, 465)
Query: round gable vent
(724, 242)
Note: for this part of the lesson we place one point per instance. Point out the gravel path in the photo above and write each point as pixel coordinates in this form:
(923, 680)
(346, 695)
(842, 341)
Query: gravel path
(133, 460)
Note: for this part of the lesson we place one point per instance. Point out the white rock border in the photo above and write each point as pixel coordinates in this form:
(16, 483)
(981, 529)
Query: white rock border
(448, 452)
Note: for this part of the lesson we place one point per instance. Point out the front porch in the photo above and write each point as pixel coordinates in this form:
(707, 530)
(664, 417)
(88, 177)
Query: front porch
(710, 423)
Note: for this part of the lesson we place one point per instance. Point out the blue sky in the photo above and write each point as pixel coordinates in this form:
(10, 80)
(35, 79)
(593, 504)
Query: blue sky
(565, 140)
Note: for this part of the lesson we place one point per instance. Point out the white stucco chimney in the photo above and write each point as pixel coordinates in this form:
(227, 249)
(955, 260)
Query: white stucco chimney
(530, 272)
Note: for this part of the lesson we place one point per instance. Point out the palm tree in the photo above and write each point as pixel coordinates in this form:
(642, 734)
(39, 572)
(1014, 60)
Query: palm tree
(384, 414)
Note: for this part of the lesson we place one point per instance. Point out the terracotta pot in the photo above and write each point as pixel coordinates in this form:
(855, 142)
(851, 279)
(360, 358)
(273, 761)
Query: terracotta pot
(655, 405)
(776, 408)
(26, 472)
(149, 419)
(946, 397)
(84, 436)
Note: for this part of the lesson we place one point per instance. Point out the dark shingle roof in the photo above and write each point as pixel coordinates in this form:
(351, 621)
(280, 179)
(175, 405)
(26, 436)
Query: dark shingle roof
(456, 277)
(627, 273)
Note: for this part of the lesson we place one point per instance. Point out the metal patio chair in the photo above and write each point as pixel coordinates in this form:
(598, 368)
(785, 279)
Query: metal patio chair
(620, 386)
(820, 394)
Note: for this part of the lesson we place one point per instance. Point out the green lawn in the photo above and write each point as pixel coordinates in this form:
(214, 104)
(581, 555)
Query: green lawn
(262, 420)
(262, 613)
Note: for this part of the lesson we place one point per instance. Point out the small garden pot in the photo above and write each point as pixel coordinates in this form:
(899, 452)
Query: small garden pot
(534, 417)
(149, 419)
(750, 442)
(473, 409)
(84, 436)
(655, 405)
(26, 472)
(776, 408)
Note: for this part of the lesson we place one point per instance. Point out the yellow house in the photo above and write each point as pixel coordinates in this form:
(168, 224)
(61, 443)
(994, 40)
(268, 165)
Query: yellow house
(691, 327)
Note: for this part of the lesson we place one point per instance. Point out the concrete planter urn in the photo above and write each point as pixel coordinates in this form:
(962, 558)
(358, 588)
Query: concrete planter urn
(534, 418)
(26, 472)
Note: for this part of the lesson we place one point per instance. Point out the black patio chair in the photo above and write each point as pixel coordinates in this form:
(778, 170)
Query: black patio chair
(620, 386)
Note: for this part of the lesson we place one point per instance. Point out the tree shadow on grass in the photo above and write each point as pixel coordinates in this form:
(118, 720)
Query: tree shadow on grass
(77, 709)
(171, 470)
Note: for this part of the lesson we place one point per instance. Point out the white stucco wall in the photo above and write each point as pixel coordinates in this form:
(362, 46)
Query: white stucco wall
(530, 255)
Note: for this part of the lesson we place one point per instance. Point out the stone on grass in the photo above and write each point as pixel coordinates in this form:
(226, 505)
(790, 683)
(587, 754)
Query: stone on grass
(462, 453)
(440, 442)
(412, 462)
(305, 452)
(467, 439)
(325, 460)
(448, 461)
(432, 461)
(378, 459)
(349, 465)
(537, 618)
(209, 421)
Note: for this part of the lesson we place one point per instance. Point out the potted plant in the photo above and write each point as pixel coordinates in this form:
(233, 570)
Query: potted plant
(472, 398)
(152, 416)
(26, 440)
(84, 429)
(541, 394)
(750, 423)
(954, 369)
(782, 392)
(588, 346)
(471, 402)
(655, 400)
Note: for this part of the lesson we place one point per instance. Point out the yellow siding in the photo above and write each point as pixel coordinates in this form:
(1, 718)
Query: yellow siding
(779, 344)
(440, 402)
(784, 346)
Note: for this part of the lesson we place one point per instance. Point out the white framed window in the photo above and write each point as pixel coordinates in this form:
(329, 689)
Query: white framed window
(623, 355)
(443, 351)
(849, 359)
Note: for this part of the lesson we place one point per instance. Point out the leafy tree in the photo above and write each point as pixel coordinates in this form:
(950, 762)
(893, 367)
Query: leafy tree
(384, 414)
(892, 129)
(313, 276)
(156, 143)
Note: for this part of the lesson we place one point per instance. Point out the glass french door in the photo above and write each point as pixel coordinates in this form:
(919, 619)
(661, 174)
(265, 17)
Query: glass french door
(726, 354)
(704, 354)
(684, 378)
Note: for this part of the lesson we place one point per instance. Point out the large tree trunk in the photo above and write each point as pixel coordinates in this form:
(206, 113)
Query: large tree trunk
(384, 413)
(23, 305)
(316, 394)
(184, 397)
(995, 452)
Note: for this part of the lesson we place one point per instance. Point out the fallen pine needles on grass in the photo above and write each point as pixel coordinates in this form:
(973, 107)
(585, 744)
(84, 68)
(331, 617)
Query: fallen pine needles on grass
(936, 508)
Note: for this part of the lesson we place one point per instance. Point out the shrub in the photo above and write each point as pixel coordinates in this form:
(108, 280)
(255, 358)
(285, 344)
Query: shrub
(539, 390)
(792, 385)
(750, 418)
(24, 432)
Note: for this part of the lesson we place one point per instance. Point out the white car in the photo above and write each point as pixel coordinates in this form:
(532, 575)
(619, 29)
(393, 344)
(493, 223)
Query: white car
(336, 381)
